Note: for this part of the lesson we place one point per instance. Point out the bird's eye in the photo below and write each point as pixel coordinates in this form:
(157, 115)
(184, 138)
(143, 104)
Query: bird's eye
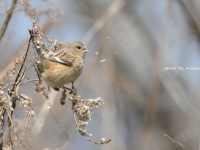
(78, 47)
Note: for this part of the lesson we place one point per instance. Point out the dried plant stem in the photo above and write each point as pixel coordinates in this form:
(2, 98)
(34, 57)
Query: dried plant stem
(1, 128)
(20, 70)
(175, 141)
(47, 24)
(13, 91)
(9, 15)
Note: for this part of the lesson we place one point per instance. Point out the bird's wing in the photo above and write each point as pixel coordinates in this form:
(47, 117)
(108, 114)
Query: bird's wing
(62, 56)
(61, 61)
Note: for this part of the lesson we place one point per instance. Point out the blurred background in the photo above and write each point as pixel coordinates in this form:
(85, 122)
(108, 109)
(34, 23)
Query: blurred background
(143, 60)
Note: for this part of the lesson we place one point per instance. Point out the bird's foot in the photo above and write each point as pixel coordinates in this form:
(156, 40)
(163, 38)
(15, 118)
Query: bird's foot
(56, 88)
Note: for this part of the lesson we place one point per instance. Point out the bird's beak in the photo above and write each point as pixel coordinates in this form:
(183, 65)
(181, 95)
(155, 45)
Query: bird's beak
(85, 50)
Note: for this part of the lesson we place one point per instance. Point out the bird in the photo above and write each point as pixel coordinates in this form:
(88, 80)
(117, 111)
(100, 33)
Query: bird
(63, 66)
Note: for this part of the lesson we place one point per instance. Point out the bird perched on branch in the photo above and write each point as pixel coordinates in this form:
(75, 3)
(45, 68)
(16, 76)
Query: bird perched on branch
(63, 66)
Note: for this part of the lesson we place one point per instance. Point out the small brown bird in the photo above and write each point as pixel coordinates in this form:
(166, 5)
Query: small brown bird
(64, 66)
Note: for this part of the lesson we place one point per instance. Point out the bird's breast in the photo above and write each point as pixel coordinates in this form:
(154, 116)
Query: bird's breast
(57, 75)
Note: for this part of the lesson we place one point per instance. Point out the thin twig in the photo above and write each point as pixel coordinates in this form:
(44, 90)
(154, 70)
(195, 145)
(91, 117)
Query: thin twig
(17, 81)
(47, 24)
(175, 141)
(38, 75)
(19, 76)
(20, 70)
(9, 15)
(23, 74)
(26, 81)
(1, 133)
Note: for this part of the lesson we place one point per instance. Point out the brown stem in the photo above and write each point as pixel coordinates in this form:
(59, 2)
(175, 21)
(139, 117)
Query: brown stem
(20, 70)
(18, 79)
(9, 15)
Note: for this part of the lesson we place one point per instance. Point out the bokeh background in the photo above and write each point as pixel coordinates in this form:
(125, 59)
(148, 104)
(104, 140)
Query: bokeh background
(137, 49)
